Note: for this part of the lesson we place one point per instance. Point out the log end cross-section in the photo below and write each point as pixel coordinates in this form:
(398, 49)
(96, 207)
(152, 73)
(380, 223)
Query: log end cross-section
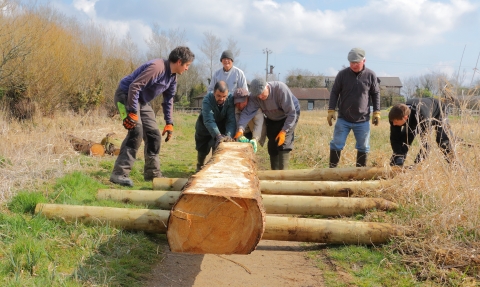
(220, 210)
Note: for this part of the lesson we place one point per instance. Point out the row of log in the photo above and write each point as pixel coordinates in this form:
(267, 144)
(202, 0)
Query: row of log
(222, 211)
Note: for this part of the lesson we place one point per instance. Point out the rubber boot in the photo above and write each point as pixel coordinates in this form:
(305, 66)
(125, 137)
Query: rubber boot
(361, 159)
(274, 162)
(334, 158)
(283, 159)
(201, 160)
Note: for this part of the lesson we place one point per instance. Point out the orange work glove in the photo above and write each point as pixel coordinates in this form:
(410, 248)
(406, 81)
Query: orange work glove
(130, 122)
(168, 129)
(281, 137)
(238, 134)
(376, 118)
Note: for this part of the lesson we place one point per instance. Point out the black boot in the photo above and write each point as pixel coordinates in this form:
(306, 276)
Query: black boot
(201, 160)
(334, 158)
(283, 159)
(274, 162)
(361, 159)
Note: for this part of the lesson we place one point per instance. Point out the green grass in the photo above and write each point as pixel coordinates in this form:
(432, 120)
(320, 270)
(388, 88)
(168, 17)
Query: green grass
(35, 251)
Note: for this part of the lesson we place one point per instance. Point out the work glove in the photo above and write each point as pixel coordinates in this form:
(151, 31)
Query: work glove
(243, 139)
(280, 137)
(331, 115)
(222, 138)
(238, 135)
(254, 145)
(376, 118)
(168, 129)
(130, 122)
(397, 160)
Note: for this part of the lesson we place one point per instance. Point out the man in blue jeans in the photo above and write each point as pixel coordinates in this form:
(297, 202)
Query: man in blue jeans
(355, 87)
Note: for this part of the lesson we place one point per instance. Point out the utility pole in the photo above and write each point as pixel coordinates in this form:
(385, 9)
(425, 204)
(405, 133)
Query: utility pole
(266, 51)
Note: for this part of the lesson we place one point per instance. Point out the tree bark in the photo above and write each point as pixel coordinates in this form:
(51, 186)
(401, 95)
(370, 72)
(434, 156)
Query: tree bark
(274, 204)
(276, 228)
(285, 187)
(220, 210)
(334, 174)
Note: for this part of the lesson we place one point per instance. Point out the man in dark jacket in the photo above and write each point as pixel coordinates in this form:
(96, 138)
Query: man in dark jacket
(135, 91)
(216, 122)
(354, 89)
(417, 117)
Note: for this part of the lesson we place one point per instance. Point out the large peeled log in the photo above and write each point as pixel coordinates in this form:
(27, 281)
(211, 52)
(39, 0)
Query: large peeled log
(220, 210)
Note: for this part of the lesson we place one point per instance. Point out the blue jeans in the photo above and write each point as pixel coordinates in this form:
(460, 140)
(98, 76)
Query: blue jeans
(361, 131)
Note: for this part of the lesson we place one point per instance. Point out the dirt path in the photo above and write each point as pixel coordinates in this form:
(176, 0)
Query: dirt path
(273, 263)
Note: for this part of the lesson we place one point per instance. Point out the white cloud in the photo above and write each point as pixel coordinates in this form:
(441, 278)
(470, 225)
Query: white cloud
(86, 6)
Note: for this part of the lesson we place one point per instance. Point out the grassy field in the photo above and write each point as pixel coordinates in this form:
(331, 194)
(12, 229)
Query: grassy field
(439, 206)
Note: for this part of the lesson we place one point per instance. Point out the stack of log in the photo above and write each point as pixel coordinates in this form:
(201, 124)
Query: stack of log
(109, 145)
(228, 206)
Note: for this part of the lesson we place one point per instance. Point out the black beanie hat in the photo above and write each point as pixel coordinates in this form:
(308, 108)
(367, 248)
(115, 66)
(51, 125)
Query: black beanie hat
(227, 54)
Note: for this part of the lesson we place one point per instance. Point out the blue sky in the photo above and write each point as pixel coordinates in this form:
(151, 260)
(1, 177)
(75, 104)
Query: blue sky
(401, 38)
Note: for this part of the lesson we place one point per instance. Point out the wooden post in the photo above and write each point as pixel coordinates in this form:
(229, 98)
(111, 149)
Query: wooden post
(274, 204)
(220, 210)
(149, 220)
(335, 174)
(286, 187)
(276, 228)
(329, 231)
(164, 183)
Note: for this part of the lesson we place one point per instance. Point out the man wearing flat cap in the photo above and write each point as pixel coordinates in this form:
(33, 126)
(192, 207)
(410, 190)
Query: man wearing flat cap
(233, 76)
(282, 111)
(354, 89)
(255, 131)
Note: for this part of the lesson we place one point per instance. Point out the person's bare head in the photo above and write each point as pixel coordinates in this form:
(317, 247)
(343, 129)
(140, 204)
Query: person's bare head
(399, 114)
(220, 92)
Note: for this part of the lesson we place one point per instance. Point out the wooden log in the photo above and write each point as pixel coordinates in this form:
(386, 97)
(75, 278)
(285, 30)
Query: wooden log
(334, 174)
(320, 188)
(86, 147)
(286, 187)
(276, 228)
(329, 231)
(220, 210)
(164, 183)
(274, 204)
(149, 220)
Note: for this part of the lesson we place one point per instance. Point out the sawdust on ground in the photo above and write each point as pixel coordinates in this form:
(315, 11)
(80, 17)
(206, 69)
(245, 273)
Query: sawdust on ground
(273, 263)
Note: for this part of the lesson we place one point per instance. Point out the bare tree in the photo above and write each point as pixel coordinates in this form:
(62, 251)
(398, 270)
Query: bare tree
(211, 48)
(303, 78)
(162, 42)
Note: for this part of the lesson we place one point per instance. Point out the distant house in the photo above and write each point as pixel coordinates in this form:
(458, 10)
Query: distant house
(197, 101)
(391, 84)
(312, 98)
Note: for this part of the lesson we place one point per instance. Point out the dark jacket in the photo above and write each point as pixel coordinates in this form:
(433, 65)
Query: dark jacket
(212, 117)
(149, 81)
(353, 93)
(425, 113)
